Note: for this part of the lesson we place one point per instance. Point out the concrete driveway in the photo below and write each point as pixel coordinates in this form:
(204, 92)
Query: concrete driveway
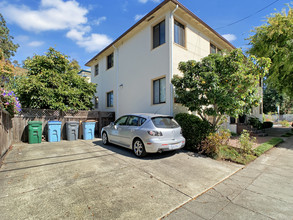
(87, 180)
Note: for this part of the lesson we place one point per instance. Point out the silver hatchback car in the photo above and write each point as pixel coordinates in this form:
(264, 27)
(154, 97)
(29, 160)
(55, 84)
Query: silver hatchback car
(144, 133)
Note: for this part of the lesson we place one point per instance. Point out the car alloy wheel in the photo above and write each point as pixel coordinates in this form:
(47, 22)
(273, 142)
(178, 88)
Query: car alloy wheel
(138, 148)
(105, 138)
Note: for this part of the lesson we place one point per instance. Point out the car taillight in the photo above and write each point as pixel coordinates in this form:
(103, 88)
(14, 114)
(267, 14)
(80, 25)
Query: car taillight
(155, 133)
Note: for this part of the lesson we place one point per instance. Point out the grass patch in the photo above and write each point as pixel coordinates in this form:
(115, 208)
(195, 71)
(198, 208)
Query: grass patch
(266, 146)
(237, 155)
(288, 134)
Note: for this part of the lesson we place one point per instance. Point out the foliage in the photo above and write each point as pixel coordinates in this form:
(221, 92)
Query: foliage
(235, 155)
(9, 102)
(266, 146)
(6, 44)
(255, 123)
(246, 142)
(220, 85)
(285, 123)
(288, 134)
(267, 124)
(274, 40)
(6, 69)
(52, 83)
(210, 146)
(194, 129)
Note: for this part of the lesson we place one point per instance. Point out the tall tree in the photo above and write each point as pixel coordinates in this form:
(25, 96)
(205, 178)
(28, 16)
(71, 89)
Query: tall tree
(274, 40)
(6, 44)
(52, 83)
(220, 85)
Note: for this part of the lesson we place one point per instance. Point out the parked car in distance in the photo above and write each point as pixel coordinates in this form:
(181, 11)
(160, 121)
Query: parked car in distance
(144, 133)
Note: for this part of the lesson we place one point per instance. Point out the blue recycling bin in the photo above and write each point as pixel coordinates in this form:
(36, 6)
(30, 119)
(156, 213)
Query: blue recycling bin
(88, 128)
(54, 131)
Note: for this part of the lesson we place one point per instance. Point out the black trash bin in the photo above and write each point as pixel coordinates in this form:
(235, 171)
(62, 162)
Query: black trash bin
(72, 130)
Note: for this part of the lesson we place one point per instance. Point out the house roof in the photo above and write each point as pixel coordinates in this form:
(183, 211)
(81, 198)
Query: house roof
(176, 2)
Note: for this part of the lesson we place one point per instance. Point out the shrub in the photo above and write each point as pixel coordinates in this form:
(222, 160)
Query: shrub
(246, 142)
(285, 123)
(194, 129)
(9, 102)
(268, 124)
(210, 146)
(255, 123)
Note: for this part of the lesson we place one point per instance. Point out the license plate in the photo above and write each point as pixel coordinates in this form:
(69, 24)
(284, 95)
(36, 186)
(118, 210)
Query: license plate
(174, 146)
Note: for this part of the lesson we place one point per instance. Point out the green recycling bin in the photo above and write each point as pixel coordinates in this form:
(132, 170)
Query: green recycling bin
(34, 132)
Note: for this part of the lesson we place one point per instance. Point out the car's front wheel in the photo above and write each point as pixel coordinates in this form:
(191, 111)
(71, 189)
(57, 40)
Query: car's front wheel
(105, 138)
(138, 148)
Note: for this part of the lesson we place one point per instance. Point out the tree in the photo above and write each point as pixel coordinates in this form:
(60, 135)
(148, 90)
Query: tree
(6, 44)
(274, 40)
(52, 83)
(220, 85)
(271, 100)
(6, 69)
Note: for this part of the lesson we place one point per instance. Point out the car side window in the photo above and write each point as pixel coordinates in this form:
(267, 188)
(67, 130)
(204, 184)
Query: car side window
(142, 120)
(132, 121)
(121, 121)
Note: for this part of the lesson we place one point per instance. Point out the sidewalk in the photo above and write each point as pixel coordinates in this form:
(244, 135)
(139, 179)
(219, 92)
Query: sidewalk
(262, 190)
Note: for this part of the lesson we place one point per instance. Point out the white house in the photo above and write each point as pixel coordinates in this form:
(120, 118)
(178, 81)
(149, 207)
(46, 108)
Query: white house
(134, 72)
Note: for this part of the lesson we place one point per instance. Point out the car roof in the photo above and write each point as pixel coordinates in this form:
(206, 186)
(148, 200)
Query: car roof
(149, 115)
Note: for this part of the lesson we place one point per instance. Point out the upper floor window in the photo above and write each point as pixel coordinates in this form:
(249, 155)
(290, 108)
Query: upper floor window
(214, 49)
(96, 69)
(110, 61)
(179, 33)
(159, 34)
(159, 91)
(110, 99)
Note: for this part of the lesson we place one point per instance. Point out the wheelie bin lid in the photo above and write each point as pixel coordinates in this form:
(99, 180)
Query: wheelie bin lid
(72, 122)
(34, 122)
(54, 122)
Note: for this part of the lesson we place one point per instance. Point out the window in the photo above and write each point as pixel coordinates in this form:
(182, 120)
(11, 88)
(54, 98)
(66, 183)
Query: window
(159, 34)
(159, 91)
(164, 122)
(179, 33)
(133, 121)
(96, 102)
(121, 121)
(96, 69)
(214, 49)
(110, 99)
(110, 61)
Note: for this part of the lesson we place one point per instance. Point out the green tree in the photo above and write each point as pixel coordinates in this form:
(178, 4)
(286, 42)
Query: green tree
(6, 70)
(274, 40)
(271, 100)
(52, 83)
(6, 44)
(220, 85)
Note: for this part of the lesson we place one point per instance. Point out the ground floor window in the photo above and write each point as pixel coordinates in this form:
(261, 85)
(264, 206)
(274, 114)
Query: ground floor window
(110, 99)
(159, 91)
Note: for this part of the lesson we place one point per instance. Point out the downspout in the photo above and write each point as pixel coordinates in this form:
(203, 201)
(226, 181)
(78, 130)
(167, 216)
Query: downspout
(171, 39)
(116, 60)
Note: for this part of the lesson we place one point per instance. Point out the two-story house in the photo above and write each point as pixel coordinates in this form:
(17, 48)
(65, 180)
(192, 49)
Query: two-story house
(134, 72)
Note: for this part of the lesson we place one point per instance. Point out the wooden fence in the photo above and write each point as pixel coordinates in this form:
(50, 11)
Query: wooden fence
(6, 136)
(20, 122)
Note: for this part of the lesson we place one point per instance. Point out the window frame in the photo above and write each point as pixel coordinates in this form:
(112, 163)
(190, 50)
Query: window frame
(153, 90)
(110, 61)
(217, 50)
(96, 69)
(184, 33)
(161, 41)
(108, 105)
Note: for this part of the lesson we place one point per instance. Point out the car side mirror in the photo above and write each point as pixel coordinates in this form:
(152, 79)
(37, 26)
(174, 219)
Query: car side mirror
(112, 124)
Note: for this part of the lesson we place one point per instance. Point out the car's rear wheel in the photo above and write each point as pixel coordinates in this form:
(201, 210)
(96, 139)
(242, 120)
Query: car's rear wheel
(105, 138)
(138, 148)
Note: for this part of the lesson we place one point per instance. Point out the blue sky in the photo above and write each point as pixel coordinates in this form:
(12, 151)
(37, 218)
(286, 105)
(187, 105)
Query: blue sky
(81, 28)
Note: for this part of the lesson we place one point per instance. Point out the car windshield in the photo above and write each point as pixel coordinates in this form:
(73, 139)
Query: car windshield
(164, 122)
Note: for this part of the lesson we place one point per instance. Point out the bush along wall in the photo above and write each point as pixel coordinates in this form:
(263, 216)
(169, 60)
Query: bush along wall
(194, 129)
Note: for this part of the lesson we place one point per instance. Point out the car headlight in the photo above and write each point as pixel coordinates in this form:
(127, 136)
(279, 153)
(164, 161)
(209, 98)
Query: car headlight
(155, 133)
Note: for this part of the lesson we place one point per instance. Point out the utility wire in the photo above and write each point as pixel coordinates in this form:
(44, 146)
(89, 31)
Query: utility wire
(247, 16)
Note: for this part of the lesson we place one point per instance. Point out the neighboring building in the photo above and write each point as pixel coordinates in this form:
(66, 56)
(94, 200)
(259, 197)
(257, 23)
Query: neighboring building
(86, 74)
(134, 72)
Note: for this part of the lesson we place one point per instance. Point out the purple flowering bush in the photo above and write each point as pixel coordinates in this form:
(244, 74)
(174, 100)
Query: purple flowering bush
(9, 102)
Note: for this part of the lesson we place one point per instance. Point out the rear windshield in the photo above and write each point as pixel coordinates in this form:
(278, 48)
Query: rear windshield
(164, 122)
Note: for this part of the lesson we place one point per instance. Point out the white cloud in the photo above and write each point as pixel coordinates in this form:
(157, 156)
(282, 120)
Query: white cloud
(145, 1)
(138, 17)
(100, 20)
(93, 42)
(36, 43)
(51, 15)
(229, 37)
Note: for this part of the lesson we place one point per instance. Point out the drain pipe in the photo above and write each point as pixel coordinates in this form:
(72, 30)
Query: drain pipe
(116, 60)
(171, 39)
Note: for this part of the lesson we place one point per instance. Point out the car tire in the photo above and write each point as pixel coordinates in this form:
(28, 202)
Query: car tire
(105, 138)
(138, 148)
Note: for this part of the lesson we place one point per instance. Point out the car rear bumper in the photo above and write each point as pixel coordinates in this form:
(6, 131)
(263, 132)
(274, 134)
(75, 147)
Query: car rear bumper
(154, 146)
